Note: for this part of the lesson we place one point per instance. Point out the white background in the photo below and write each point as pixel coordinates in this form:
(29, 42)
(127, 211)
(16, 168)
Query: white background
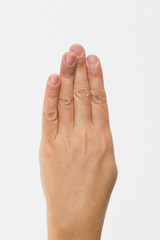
(126, 36)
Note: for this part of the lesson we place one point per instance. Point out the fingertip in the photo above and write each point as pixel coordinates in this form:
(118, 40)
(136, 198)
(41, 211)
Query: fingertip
(54, 80)
(94, 69)
(69, 59)
(78, 50)
(92, 61)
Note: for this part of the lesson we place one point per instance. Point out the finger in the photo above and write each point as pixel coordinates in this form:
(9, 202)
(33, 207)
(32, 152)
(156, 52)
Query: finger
(50, 110)
(82, 105)
(98, 96)
(65, 106)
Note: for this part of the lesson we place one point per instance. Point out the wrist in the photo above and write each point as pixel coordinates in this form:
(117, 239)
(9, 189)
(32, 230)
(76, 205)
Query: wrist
(58, 233)
(59, 229)
(71, 236)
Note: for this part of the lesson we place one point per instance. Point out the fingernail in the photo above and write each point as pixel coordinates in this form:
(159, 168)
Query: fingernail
(70, 59)
(92, 60)
(77, 49)
(53, 80)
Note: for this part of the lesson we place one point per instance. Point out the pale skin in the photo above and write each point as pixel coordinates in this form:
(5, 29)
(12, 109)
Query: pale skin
(77, 162)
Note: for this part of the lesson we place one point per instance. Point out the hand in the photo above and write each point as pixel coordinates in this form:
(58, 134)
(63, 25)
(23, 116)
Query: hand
(78, 168)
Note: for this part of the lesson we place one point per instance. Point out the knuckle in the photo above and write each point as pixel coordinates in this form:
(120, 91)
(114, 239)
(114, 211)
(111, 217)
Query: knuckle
(50, 116)
(93, 74)
(83, 133)
(52, 98)
(67, 73)
(82, 93)
(98, 97)
(80, 63)
(106, 142)
(65, 101)
(109, 142)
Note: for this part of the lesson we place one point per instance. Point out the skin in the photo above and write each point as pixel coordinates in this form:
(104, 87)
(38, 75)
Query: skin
(77, 162)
